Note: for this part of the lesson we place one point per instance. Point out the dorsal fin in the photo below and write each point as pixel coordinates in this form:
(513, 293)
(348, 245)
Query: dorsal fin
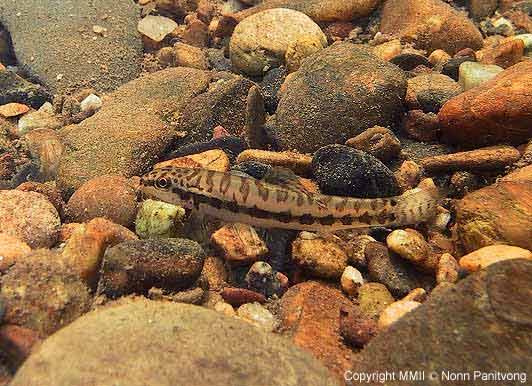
(288, 180)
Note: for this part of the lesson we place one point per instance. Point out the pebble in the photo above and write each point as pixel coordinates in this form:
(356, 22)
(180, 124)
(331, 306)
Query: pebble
(447, 269)
(483, 257)
(11, 250)
(409, 244)
(471, 74)
(438, 57)
(388, 50)
(13, 109)
(318, 256)
(156, 28)
(239, 296)
(399, 276)
(408, 175)
(260, 41)
(355, 249)
(157, 219)
(373, 298)
(344, 171)
(138, 265)
(29, 217)
(297, 162)
(396, 311)
(408, 61)
(239, 243)
(30, 291)
(37, 120)
(258, 316)
(214, 273)
(356, 328)
(183, 55)
(263, 279)
(421, 126)
(351, 280)
(378, 141)
(482, 117)
(109, 196)
(451, 68)
(225, 308)
(429, 92)
(86, 244)
(270, 86)
(481, 160)
(215, 159)
(430, 24)
(91, 103)
(46, 146)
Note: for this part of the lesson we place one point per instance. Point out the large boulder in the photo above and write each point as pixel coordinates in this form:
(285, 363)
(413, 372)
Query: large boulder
(54, 40)
(483, 324)
(141, 342)
(497, 111)
(142, 118)
(430, 24)
(336, 94)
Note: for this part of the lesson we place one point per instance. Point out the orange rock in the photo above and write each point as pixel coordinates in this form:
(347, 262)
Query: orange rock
(215, 159)
(16, 343)
(239, 243)
(298, 163)
(11, 249)
(483, 257)
(495, 112)
(13, 109)
(396, 311)
(430, 24)
(51, 193)
(504, 55)
(310, 314)
(499, 213)
(84, 249)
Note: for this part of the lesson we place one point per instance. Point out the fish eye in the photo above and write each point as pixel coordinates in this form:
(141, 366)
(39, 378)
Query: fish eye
(161, 183)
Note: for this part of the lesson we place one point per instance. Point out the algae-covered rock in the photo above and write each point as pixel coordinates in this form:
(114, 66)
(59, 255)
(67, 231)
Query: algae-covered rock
(158, 219)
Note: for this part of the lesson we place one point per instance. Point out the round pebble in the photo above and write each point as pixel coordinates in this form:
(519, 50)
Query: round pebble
(30, 217)
(351, 280)
(396, 311)
(257, 315)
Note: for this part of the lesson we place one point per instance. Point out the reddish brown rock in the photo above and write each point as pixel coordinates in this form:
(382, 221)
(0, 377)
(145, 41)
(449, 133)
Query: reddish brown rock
(430, 24)
(497, 111)
(112, 197)
(421, 126)
(310, 315)
(86, 245)
(43, 294)
(13, 109)
(489, 159)
(239, 243)
(16, 343)
(239, 296)
(499, 213)
(11, 250)
(356, 328)
(504, 55)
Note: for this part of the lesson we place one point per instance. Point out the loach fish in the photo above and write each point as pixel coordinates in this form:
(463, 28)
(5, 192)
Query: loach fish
(288, 205)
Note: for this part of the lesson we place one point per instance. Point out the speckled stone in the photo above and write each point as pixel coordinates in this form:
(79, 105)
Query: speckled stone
(30, 217)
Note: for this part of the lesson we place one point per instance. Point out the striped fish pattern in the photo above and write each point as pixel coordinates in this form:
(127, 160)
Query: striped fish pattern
(247, 200)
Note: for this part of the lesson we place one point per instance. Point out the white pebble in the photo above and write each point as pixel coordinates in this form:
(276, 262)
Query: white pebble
(91, 103)
(351, 280)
